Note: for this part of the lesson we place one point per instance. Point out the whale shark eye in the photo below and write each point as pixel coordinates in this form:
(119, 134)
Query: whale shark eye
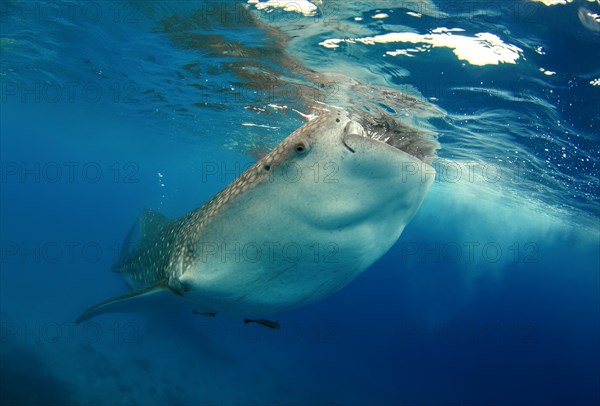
(300, 148)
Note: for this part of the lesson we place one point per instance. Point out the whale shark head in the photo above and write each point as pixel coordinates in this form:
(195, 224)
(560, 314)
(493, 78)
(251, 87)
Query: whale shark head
(335, 171)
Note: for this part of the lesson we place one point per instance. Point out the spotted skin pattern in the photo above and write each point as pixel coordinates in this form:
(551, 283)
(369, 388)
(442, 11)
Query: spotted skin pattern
(170, 253)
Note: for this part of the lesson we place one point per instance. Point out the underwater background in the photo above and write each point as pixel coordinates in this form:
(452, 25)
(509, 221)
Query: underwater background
(491, 296)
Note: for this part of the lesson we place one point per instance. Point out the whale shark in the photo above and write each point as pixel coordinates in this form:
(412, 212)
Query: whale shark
(298, 225)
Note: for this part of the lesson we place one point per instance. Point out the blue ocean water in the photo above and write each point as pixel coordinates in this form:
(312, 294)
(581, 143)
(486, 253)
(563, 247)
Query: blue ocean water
(490, 297)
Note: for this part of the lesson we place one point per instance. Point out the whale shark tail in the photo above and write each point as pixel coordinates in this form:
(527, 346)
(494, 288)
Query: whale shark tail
(150, 224)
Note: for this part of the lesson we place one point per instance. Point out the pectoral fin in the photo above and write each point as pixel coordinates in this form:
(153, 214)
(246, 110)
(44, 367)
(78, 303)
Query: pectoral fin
(140, 299)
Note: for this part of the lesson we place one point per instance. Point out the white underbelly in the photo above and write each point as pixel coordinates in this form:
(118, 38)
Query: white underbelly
(283, 245)
(255, 277)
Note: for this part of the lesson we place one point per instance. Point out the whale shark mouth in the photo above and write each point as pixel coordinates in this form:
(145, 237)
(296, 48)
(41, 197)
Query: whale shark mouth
(413, 141)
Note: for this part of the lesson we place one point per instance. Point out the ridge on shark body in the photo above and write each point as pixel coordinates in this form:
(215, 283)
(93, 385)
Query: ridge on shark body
(297, 226)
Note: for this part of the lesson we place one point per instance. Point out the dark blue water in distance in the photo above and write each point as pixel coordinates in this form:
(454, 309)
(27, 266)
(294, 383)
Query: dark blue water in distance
(491, 296)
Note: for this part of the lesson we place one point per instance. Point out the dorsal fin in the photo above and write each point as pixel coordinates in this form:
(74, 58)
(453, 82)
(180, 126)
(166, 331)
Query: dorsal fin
(151, 222)
(126, 248)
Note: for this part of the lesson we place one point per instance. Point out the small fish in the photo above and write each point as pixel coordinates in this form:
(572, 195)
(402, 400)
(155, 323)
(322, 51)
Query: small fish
(205, 314)
(267, 323)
